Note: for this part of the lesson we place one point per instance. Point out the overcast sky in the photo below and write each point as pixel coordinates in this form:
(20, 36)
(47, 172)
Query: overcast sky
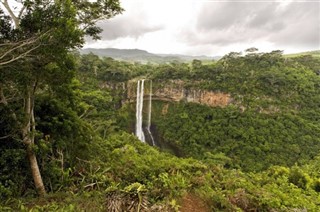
(213, 27)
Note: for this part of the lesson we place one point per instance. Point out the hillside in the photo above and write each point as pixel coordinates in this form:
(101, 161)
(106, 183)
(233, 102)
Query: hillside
(256, 92)
(238, 134)
(137, 55)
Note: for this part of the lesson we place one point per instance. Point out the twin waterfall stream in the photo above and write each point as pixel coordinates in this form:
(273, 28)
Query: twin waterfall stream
(139, 109)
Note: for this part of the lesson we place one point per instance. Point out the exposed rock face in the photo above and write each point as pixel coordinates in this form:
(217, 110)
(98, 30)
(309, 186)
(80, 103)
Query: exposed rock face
(192, 95)
(118, 89)
(175, 90)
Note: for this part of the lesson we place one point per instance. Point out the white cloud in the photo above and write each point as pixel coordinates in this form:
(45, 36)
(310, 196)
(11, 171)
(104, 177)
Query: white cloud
(213, 27)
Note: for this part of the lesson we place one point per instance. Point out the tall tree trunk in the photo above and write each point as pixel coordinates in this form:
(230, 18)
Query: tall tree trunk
(28, 132)
(35, 171)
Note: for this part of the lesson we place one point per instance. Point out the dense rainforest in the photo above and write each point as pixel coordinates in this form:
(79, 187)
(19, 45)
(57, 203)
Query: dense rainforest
(67, 122)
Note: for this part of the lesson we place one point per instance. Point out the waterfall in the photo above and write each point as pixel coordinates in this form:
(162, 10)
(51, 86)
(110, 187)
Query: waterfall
(139, 107)
(149, 114)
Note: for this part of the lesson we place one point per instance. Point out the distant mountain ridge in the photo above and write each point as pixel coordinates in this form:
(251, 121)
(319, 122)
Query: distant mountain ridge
(143, 56)
(138, 55)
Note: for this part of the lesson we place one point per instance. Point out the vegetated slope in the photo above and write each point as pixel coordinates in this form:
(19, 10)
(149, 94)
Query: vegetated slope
(89, 163)
(273, 119)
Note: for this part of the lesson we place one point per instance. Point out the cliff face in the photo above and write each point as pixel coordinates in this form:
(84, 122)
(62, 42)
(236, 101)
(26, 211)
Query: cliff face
(176, 90)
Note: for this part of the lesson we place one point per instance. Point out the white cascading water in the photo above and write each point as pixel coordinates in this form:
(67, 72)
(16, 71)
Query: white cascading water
(139, 107)
(149, 114)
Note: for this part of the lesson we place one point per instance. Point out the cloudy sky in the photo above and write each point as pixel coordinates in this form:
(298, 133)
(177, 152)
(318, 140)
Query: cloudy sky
(213, 27)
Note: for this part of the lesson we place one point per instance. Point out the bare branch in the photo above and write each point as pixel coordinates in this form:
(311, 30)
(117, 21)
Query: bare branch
(4, 137)
(13, 51)
(12, 15)
(21, 12)
(2, 97)
(22, 55)
(19, 45)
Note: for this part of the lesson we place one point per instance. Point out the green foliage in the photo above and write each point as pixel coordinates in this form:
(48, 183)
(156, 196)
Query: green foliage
(122, 163)
(87, 161)
(299, 178)
(56, 202)
(5, 26)
(171, 71)
(256, 81)
(253, 141)
(13, 171)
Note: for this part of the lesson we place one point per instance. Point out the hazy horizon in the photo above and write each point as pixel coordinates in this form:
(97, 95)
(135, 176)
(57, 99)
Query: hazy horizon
(242, 51)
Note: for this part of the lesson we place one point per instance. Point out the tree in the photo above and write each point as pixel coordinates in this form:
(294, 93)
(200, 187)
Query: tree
(36, 56)
(251, 50)
(196, 64)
